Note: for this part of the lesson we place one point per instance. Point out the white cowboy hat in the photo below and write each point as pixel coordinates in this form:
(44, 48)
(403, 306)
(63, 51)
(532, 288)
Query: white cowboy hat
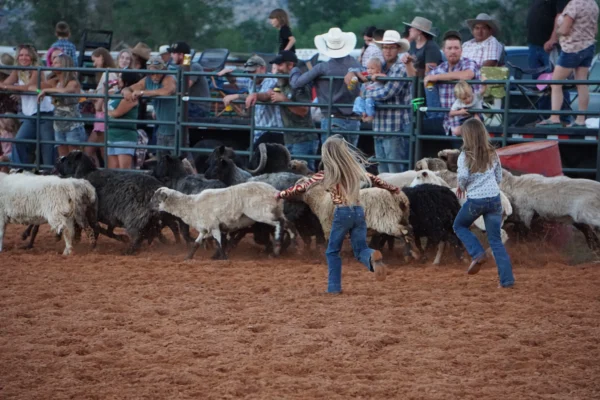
(486, 19)
(335, 43)
(422, 24)
(393, 37)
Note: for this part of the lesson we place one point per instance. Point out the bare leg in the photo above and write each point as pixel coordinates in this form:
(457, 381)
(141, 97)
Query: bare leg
(583, 91)
(125, 161)
(559, 73)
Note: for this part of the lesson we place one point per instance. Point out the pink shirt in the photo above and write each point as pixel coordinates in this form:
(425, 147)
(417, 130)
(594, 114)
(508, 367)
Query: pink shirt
(585, 25)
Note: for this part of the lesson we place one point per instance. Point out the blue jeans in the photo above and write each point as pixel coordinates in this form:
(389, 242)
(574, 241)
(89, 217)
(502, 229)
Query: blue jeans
(305, 149)
(364, 106)
(22, 151)
(75, 135)
(346, 219)
(582, 58)
(432, 99)
(392, 148)
(491, 209)
(341, 124)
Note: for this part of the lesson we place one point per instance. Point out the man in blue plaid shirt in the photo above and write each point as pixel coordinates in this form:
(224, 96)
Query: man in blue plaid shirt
(392, 93)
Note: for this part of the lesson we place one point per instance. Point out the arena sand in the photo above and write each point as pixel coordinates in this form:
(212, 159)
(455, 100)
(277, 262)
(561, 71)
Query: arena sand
(99, 325)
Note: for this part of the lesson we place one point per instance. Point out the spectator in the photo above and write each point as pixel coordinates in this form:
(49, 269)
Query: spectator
(370, 49)
(50, 55)
(456, 68)
(197, 84)
(140, 55)
(122, 133)
(484, 48)
(336, 45)
(465, 100)
(125, 59)
(163, 51)
(363, 106)
(265, 116)
(102, 59)
(63, 33)
(20, 81)
(392, 93)
(423, 48)
(154, 85)
(8, 105)
(298, 143)
(541, 31)
(577, 29)
(279, 19)
(66, 82)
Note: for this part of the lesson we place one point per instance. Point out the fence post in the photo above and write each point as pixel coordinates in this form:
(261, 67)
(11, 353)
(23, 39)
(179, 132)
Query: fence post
(329, 108)
(179, 135)
(419, 127)
(414, 117)
(252, 123)
(506, 108)
(38, 146)
(105, 100)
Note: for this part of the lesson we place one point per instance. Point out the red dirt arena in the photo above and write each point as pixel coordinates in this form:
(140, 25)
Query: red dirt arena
(99, 325)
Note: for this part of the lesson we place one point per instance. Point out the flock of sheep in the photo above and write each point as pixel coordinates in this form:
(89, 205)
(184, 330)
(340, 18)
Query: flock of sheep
(227, 200)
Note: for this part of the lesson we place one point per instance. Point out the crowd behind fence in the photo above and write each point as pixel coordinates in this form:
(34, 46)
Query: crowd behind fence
(417, 136)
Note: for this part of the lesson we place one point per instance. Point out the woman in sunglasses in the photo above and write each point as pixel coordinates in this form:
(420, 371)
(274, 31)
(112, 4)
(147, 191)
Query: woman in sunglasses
(23, 81)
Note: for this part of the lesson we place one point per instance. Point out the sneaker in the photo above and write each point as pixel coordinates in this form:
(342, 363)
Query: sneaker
(476, 264)
(378, 265)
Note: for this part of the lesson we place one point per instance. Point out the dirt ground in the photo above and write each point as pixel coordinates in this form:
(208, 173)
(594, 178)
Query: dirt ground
(99, 325)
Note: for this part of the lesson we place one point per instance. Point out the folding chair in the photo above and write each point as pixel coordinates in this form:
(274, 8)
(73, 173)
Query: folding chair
(213, 60)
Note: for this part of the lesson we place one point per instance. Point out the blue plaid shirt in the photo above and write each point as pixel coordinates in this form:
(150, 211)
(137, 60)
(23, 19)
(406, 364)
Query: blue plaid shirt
(265, 116)
(393, 92)
(67, 47)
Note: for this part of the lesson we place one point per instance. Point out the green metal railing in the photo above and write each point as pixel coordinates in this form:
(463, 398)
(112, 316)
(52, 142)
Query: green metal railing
(415, 135)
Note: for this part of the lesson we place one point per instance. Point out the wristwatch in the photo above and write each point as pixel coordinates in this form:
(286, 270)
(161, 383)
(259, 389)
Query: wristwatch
(141, 93)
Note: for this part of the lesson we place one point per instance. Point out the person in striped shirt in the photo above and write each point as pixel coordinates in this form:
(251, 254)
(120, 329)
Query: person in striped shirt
(342, 175)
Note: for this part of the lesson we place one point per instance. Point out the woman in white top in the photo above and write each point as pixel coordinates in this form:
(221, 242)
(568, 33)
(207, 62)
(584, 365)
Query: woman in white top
(479, 173)
(26, 81)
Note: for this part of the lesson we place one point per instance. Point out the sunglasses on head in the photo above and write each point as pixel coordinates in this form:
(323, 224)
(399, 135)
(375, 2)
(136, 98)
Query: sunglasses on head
(154, 62)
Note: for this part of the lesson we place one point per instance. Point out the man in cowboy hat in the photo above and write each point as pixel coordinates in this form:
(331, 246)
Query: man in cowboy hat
(392, 93)
(484, 48)
(423, 48)
(336, 45)
(456, 68)
(163, 51)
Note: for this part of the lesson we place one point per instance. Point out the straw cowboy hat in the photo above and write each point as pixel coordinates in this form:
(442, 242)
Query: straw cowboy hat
(335, 43)
(393, 37)
(486, 19)
(142, 51)
(6, 60)
(422, 24)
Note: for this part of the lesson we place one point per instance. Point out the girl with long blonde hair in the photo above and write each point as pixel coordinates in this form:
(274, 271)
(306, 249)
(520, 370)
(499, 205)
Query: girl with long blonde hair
(342, 175)
(23, 81)
(479, 174)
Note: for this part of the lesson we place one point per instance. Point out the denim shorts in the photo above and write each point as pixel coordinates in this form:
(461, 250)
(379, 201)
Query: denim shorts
(119, 151)
(76, 135)
(582, 58)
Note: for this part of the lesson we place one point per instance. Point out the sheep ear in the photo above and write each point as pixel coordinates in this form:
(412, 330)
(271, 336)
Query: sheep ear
(221, 149)
(425, 174)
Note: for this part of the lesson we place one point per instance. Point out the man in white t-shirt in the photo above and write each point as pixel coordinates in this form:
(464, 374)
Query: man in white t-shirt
(484, 48)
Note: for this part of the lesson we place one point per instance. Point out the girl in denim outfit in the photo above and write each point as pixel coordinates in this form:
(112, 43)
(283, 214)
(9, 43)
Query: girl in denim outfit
(65, 82)
(479, 173)
(342, 176)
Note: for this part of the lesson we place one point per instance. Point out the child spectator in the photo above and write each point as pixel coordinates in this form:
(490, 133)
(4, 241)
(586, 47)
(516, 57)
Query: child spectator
(63, 33)
(465, 100)
(279, 19)
(366, 106)
(8, 105)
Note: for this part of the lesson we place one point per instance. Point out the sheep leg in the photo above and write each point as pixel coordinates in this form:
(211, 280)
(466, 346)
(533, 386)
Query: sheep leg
(185, 232)
(2, 228)
(590, 236)
(27, 232)
(33, 231)
(136, 241)
(279, 224)
(91, 235)
(68, 232)
(440, 251)
(77, 235)
(216, 234)
(196, 244)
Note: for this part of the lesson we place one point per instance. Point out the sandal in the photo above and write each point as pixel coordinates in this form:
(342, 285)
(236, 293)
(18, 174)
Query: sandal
(576, 125)
(548, 123)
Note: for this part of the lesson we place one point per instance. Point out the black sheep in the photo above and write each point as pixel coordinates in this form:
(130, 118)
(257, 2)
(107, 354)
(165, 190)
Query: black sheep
(123, 199)
(433, 210)
(269, 158)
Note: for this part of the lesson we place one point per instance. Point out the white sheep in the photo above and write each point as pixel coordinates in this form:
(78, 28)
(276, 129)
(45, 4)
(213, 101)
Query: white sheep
(561, 199)
(432, 164)
(425, 176)
(385, 212)
(33, 199)
(228, 209)
(400, 179)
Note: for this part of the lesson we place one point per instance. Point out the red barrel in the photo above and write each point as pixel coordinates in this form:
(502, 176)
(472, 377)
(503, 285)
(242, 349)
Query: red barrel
(534, 158)
(538, 158)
